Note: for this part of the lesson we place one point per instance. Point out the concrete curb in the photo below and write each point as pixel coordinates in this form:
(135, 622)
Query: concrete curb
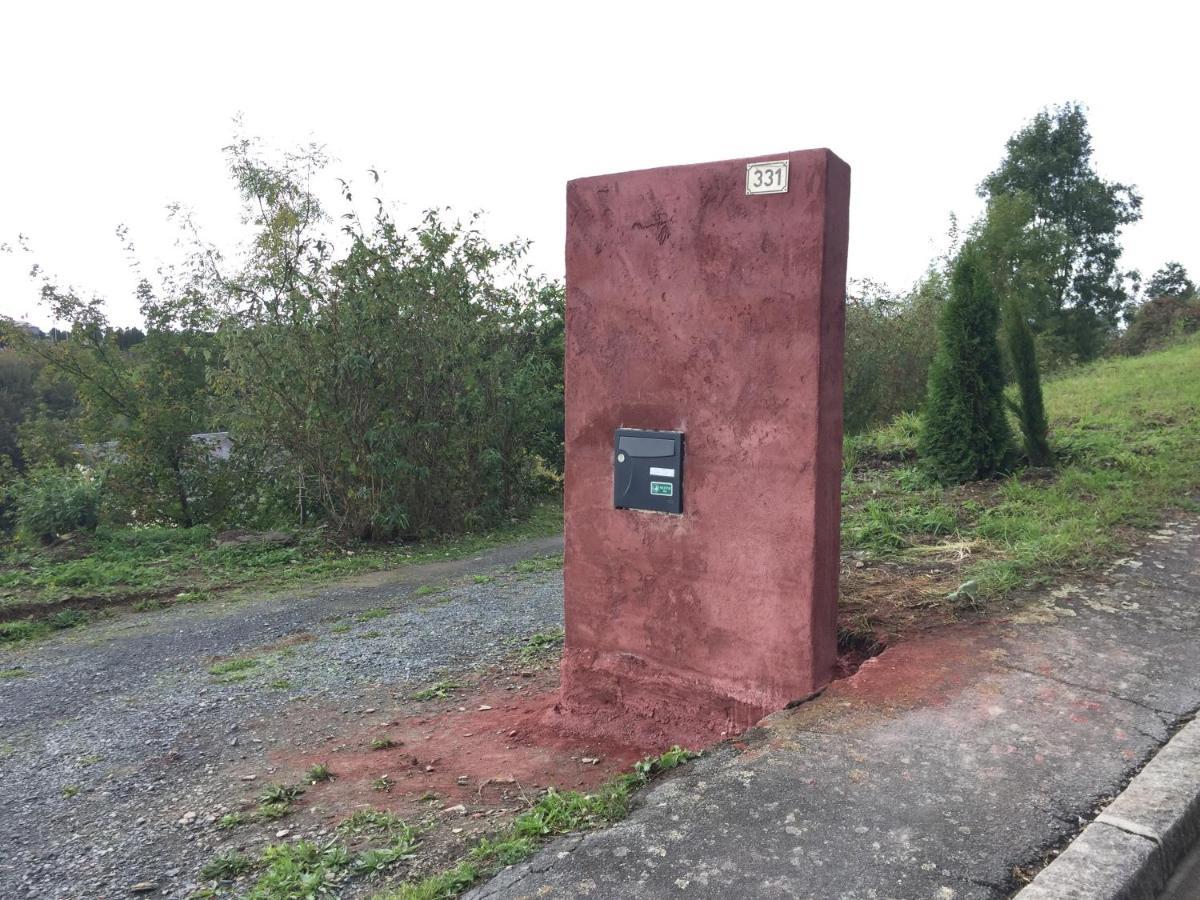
(1133, 846)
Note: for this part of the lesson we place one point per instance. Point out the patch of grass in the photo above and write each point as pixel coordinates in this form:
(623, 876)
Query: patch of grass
(32, 629)
(438, 691)
(340, 628)
(371, 635)
(502, 851)
(127, 564)
(538, 564)
(70, 790)
(894, 523)
(227, 667)
(426, 589)
(540, 642)
(382, 743)
(280, 684)
(230, 821)
(370, 614)
(383, 783)
(483, 579)
(13, 673)
(443, 886)
(225, 866)
(302, 869)
(555, 813)
(319, 772)
(373, 821)
(91, 759)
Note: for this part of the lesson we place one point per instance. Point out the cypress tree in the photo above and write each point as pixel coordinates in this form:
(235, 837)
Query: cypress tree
(1031, 411)
(965, 433)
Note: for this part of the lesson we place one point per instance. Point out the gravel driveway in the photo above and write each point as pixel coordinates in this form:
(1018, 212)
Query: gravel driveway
(119, 746)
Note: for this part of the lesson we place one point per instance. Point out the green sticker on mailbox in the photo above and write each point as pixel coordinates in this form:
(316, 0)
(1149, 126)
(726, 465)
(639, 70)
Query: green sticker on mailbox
(662, 488)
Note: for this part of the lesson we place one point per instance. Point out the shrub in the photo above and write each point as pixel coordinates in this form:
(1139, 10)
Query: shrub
(890, 341)
(50, 502)
(1158, 322)
(412, 378)
(965, 433)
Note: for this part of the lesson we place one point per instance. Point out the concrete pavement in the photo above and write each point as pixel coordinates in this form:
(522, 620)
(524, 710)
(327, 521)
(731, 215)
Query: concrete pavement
(952, 766)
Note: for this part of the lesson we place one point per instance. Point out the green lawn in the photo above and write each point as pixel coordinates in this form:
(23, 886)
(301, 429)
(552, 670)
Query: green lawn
(1126, 432)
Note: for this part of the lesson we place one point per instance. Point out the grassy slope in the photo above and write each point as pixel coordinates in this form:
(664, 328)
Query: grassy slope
(1127, 436)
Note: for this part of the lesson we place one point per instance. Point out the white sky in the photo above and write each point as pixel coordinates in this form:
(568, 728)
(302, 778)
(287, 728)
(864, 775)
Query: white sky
(112, 110)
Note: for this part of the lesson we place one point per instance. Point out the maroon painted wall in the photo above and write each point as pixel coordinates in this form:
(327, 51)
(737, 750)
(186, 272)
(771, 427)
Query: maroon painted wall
(694, 307)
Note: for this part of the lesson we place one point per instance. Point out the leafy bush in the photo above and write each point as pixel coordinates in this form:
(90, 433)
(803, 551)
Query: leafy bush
(890, 342)
(411, 379)
(1157, 322)
(51, 502)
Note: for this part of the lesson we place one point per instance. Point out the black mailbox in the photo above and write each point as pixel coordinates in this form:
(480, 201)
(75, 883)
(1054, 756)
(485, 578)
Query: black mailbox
(648, 470)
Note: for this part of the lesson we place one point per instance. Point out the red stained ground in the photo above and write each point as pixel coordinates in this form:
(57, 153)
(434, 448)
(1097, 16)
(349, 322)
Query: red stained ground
(489, 745)
(929, 671)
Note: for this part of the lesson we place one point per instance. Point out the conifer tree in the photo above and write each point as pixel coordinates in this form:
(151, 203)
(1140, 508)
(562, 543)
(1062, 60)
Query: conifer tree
(965, 433)
(1031, 410)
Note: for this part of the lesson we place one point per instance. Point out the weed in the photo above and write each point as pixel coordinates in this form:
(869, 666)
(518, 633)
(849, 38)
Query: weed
(556, 812)
(438, 691)
(319, 772)
(230, 821)
(225, 866)
(370, 614)
(376, 858)
(502, 851)
(483, 579)
(231, 667)
(538, 564)
(382, 783)
(280, 684)
(17, 672)
(382, 743)
(270, 812)
(280, 793)
(302, 869)
(91, 759)
(340, 628)
(541, 642)
(443, 886)
(426, 589)
(70, 790)
(371, 635)
(373, 821)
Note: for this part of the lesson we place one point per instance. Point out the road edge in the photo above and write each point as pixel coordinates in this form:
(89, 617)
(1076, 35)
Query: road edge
(1134, 845)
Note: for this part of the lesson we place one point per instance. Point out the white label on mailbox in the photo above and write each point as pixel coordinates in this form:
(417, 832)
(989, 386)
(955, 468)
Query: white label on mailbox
(665, 473)
(767, 177)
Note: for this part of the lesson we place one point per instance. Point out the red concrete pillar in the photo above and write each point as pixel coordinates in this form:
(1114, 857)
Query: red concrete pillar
(694, 306)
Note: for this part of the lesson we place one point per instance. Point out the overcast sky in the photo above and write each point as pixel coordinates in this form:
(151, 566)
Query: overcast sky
(112, 110)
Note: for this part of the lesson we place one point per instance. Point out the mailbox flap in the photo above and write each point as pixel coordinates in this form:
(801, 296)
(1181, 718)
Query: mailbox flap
(646, 446)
